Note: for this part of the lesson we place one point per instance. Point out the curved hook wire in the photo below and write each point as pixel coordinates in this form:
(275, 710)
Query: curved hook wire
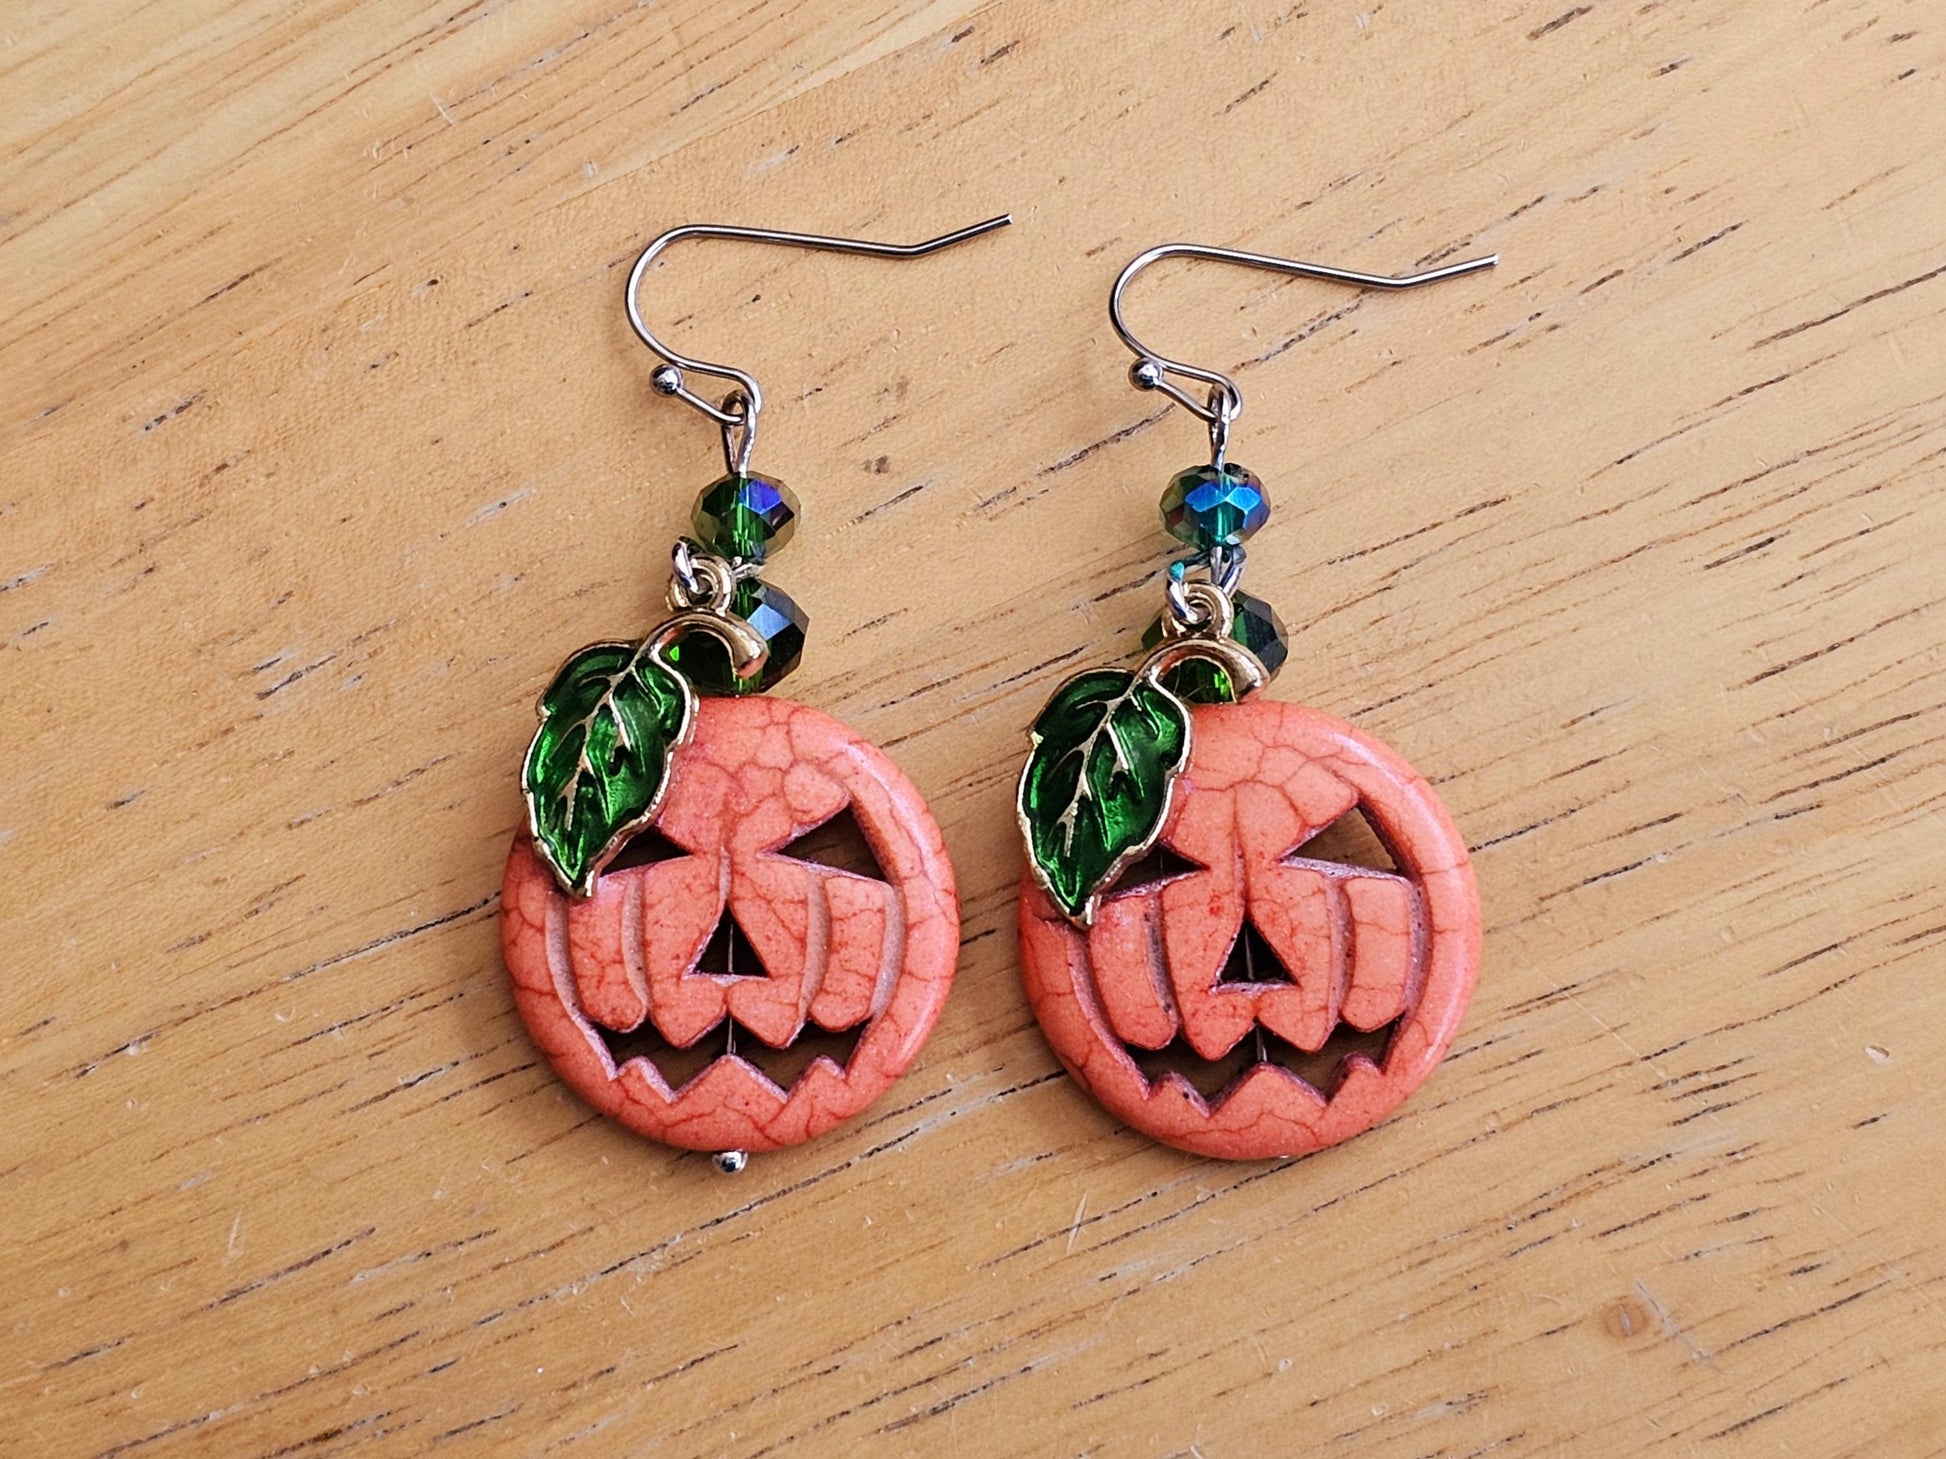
(1151, 369)
(738, 413)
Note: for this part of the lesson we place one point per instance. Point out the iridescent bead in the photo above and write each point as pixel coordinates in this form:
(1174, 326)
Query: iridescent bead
(1202, 681)
(705, 662)
(1212, 506)
(745, 517)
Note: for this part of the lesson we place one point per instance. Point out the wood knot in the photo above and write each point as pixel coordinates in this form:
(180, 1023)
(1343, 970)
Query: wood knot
(1626, 1319)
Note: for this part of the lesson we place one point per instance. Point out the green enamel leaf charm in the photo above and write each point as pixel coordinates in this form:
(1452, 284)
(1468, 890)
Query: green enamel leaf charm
(600, 761)
(1107, 750)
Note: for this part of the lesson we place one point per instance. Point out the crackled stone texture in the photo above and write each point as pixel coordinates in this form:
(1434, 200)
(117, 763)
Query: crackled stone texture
(839, 949)
(1363, 947)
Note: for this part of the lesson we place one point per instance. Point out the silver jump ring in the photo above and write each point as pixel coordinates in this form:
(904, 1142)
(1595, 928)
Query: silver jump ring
(1199, 609)
(1223, 569)
(1226, 568)
(1180, 608)
(683, 577)
(699, 580)
(1190, 598)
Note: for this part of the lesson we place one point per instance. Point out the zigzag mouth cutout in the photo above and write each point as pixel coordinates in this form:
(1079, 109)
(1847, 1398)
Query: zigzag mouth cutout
(1212, 1081)
(728, 1041)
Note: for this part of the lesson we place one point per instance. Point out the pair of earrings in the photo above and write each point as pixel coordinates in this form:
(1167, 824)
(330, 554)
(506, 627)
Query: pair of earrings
(682, 884)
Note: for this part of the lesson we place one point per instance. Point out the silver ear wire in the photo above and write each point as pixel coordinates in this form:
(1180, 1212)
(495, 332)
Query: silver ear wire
(737, 415)
(1151, 370)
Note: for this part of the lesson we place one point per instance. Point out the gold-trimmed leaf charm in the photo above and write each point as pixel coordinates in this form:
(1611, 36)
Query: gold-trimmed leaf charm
(1108, 748)
(599, 763)
(1095, 793)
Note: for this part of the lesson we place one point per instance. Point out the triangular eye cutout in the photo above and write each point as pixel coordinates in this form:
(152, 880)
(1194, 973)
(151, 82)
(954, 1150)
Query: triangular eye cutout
(1159, 865)
(646, 847)
(1351, 840)
(728, 953)
(1252, 960)
(838, 844)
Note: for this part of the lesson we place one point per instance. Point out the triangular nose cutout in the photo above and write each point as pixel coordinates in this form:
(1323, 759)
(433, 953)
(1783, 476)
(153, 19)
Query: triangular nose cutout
(728, 953)
(1252, 960)
(840, 844)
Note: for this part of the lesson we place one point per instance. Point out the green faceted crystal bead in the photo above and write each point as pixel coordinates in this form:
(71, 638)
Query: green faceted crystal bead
(1214, 506)
(705, 662)
(1203, 681)
(745, 517)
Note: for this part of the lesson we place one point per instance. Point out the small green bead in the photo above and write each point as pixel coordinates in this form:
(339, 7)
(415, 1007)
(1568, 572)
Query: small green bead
(1203, 681)
(705, 662)
(745, 517)
(1214, 506)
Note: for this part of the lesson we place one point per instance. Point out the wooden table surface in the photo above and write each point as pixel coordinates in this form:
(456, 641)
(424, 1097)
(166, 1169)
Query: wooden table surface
(325, 439)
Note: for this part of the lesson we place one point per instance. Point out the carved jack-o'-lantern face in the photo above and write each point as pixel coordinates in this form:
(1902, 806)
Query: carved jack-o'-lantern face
(1357, 950)
(815, 946)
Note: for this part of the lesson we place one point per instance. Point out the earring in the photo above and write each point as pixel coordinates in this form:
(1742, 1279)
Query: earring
(1187, 923)
(682, 881)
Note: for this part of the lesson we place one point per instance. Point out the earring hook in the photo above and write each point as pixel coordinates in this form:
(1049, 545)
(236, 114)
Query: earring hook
(738, 414)
(1151, 370)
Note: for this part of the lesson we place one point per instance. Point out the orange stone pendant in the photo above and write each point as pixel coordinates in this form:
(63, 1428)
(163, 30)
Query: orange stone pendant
(1242, 942)
(1205, 950)
(693, 943)
(614, 985)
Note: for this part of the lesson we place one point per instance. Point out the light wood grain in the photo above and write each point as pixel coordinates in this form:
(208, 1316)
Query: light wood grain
(325, 440)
